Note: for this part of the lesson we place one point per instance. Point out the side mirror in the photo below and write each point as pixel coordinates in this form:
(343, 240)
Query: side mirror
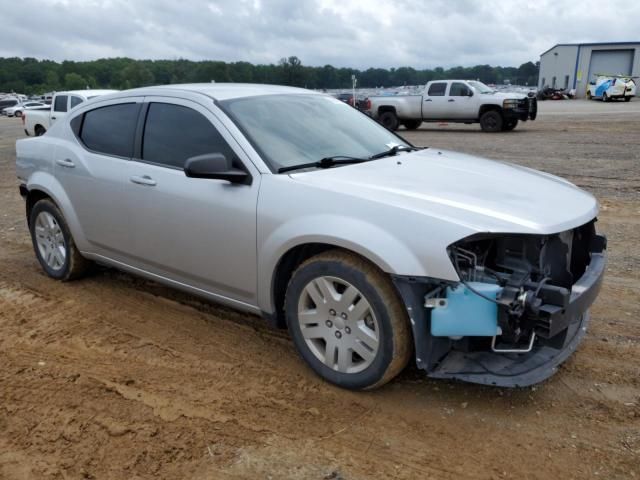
(215, 166)
(470, 93)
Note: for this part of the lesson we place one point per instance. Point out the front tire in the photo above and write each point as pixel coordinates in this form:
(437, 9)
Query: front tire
(589, 96)
(18, 114)
(347, 320)
(39, 130)
(389, 120)
(509, 125)
(491, 121)
(53, 244)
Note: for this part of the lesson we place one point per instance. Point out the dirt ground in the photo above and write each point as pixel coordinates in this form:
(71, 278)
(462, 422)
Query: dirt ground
(113, 377)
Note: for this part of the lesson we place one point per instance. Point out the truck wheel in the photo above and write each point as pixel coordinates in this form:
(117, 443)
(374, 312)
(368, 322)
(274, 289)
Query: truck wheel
(347, 320)
(389, 120)
(627, 99)
(53, 244)
(412, 124)
(491, 121)
(509, 125)
(39, 130)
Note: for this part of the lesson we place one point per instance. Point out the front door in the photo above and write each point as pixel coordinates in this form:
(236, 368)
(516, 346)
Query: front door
(461, 103)
(198, 232)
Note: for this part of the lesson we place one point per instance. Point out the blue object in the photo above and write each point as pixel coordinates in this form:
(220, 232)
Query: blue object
(466, 313)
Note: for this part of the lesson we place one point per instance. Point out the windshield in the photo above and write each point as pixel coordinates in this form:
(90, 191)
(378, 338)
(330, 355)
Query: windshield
(480, 87)
(290, 130)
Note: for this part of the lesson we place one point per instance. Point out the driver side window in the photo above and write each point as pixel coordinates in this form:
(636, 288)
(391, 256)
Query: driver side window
(459, 89)
(173, 134)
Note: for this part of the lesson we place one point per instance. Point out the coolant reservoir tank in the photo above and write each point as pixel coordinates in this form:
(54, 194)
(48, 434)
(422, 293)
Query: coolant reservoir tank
(465, 313)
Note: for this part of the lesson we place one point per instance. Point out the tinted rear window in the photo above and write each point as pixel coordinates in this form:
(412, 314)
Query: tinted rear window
(76, 101)
(437, 89)
(174, 133)
(111, 130)
(60, 104)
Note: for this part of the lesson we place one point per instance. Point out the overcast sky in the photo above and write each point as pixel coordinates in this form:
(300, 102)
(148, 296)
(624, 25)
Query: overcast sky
(358, 33)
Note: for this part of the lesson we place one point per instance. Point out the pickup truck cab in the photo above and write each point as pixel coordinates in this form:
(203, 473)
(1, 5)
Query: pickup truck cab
(37, 122)
(463, 101)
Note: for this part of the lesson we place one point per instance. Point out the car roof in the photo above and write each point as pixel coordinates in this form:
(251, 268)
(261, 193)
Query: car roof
(86, 93)
(223, 91)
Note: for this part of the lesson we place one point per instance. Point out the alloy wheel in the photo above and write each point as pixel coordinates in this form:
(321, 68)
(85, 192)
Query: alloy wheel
(50, 241)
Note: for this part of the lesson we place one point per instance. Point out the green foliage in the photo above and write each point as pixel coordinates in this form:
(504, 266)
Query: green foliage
(29, 75)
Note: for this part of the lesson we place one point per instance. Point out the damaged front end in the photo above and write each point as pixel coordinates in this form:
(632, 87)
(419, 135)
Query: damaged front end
(519, 310)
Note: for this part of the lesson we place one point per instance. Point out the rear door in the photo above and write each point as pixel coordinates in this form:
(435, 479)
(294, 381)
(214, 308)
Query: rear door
(460, 104)
(94, 171)
(434, 101)
(60, 108)
(198, 232)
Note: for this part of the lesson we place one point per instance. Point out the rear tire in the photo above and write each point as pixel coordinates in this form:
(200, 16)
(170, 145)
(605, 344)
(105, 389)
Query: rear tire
(389, 120)
(54, 247)
(627, 99)
(491, 121)
(347, 320)
(18, 114)
(412, 124)
(589, 96)
(509, 125)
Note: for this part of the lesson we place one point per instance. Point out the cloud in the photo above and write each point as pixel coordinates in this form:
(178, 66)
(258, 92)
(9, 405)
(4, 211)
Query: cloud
(358, 33)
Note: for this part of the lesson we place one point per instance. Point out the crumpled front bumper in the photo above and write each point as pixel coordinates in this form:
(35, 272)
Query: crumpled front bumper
(439, 360)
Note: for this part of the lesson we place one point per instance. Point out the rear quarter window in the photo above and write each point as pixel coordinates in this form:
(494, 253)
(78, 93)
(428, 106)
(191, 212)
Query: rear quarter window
(111, 129)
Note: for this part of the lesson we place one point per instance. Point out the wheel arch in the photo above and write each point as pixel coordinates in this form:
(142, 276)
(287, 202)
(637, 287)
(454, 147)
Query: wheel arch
(387, 108)
(489, 107)
(44, 185)
(369, 244)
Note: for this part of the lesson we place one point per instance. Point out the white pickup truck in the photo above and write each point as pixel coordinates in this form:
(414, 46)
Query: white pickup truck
(461, 101)
(37, 122)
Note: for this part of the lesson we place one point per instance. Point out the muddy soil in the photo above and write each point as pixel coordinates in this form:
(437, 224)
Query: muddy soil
(113, 377)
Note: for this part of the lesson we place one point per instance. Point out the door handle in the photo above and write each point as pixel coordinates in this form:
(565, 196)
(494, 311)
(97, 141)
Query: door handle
(143, 180)
(451, 100)
(53, 118)
(67, 163)
(428, 100)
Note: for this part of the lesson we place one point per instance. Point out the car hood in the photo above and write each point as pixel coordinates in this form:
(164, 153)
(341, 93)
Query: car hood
(504, 96)
(484, 195)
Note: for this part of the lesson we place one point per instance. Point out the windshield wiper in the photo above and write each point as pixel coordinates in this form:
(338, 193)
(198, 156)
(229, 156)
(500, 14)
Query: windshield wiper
(326, 162)
(394, 150)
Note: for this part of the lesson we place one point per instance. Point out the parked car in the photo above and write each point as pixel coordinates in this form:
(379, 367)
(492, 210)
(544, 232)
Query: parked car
(462, 101)
(18, 109)
(612, 87)
(361, 101)
(37, 122)
(288, 203)
(7, 103)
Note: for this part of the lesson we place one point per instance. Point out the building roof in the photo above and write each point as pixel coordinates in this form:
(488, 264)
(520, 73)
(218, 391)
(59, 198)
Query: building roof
(596, 44)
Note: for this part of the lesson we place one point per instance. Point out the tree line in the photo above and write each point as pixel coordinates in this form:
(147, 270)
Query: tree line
(32, 76)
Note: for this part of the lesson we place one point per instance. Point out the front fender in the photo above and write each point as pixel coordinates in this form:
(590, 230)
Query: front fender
(47, 183)
(370, 241)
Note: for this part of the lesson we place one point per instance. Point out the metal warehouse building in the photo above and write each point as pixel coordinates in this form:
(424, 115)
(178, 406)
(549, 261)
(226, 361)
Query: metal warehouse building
(573, 65)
